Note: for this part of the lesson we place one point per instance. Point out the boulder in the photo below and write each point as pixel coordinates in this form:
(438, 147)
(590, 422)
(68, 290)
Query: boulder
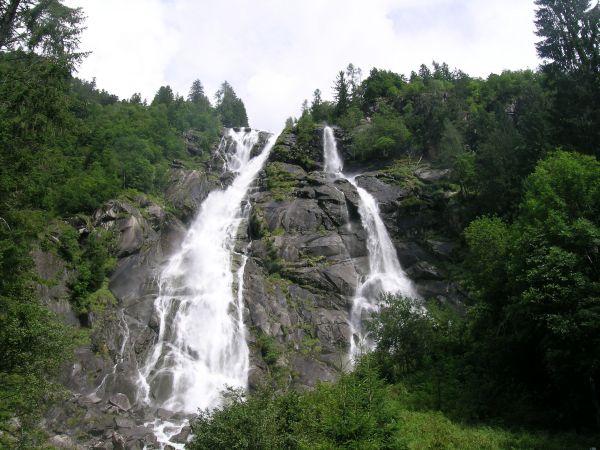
(423, 270)
(429, 175)
(131, 235)
(386, 194)
(121, 401)
(63, 441)
(303, 215)
(263, 137)
(118, 442)
(193, 144)
(187, 190)
(343, 276)
(330, 246)
(443, 249)
(124, 422)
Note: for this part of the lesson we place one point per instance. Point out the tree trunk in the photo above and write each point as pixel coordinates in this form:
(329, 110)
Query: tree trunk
(7, 23)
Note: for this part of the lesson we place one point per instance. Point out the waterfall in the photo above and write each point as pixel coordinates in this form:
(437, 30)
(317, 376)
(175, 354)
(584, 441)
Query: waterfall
(201, 346)
(385, 272)
(331, 158)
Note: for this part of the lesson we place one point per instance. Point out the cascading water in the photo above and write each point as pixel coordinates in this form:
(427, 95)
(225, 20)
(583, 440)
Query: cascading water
(385, 272)
(201, 347)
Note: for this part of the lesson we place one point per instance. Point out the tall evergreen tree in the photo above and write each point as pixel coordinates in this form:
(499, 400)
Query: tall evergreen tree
(354, 75)
(164, 96)
(316, 100)
(197, 94)
(570, 47)
(47, 27)
(305, 107)
(230, 107)
(317, 107)
(341, 94)
(570, 32)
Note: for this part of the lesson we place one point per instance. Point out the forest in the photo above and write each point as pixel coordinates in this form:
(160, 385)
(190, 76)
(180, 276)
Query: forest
(518, 367)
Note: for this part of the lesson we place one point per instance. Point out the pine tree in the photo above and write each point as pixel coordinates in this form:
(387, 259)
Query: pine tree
(570, 32)
(341, 94)
(316, 100)
(164, 96)
(570, 47)
(46, 27)
(354, 75)
(305, 108)
(230, 107)
(197, 94)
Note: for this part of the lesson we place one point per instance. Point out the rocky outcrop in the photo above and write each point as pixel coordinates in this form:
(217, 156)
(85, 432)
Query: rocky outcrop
(307, 251)
(193, 142)
(419, 211)
(53, 285)
(186, 191)
(307, 151)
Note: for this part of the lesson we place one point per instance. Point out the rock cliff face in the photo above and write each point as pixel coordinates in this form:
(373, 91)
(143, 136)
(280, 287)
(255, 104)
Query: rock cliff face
(306, 251)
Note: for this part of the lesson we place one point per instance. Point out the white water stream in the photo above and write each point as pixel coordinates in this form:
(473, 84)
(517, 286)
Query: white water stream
(201, 347)
(385, 272)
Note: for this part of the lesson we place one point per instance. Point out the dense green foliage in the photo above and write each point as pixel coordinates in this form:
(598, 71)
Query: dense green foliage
(360, 411)
(491, 132)
(349, 414)
(570, 47)
(538, 296)
(68, 147)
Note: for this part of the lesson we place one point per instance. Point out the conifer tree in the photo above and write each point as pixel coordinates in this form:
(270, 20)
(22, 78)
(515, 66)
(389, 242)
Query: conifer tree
(570, 48)
(46, 27)
(230, 107)
(341, 94)
(197, 94)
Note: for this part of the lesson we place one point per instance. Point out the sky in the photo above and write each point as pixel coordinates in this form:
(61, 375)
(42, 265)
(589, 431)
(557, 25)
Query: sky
(275, 53)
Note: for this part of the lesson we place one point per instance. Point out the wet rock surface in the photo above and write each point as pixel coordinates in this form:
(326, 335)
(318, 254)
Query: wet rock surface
(187, 190)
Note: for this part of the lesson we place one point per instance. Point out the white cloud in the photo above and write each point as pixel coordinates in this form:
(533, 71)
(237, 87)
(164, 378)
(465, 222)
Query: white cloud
(276, 52)
(130, 42)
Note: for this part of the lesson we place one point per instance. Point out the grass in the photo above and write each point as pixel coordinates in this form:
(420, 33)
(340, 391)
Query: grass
(421, 430)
